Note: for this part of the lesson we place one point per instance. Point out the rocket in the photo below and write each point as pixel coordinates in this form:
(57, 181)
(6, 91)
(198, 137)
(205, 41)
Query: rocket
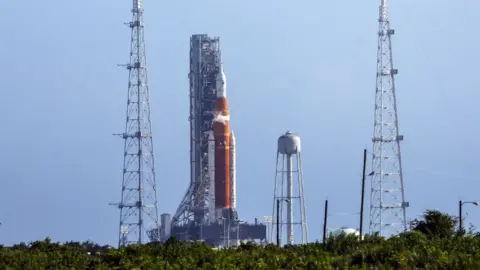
(224, 172)
(221, 133)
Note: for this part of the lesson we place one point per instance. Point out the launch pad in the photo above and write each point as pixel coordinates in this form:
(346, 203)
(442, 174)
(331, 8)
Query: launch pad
(226, 234)
(230, 236)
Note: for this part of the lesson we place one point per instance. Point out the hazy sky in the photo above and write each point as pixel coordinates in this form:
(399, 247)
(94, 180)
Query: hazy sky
(308, 66)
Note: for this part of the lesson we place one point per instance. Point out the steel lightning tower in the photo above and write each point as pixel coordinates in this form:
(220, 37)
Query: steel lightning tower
(138, 205)
(387, 199)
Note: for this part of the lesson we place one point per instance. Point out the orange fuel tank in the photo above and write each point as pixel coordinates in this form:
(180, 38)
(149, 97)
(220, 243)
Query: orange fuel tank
(221, 133)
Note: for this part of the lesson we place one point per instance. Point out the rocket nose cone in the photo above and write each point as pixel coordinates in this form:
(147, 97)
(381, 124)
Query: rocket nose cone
(221, 84)
(232, 139)
(220, 75)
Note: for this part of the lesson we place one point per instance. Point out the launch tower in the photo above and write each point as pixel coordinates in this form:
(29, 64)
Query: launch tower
(138, 205)
(288, 190)
(387, 199)
(205, 58)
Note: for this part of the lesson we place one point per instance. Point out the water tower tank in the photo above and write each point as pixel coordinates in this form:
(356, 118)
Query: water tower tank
(289, 144)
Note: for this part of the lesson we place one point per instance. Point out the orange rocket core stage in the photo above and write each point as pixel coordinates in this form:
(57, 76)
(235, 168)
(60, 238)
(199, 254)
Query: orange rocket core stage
(221, 133)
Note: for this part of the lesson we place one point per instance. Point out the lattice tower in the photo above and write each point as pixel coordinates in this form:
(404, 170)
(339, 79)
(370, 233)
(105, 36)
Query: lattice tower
(387, 199)
(138, 205)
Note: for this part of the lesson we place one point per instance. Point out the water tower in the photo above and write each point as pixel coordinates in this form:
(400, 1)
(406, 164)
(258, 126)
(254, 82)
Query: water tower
(288, 191)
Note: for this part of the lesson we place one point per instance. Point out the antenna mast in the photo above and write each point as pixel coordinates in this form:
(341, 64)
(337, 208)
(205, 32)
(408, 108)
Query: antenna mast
(138, 205)
(387, 199)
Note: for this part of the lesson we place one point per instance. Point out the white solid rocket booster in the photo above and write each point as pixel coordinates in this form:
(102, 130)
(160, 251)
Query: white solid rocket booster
(211, 174)
(233, 174)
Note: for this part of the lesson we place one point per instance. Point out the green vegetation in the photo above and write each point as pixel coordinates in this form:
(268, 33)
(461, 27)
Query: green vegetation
(432, 243)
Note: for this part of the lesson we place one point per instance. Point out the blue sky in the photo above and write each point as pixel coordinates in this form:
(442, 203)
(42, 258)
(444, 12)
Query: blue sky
(306, 66)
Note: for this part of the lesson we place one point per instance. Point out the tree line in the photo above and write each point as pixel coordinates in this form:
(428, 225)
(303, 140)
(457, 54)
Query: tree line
(434, 242)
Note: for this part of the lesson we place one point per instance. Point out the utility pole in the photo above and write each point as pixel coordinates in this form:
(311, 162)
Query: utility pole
(325, 222)
(363, 192)
(460, 212)
(460, 221)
